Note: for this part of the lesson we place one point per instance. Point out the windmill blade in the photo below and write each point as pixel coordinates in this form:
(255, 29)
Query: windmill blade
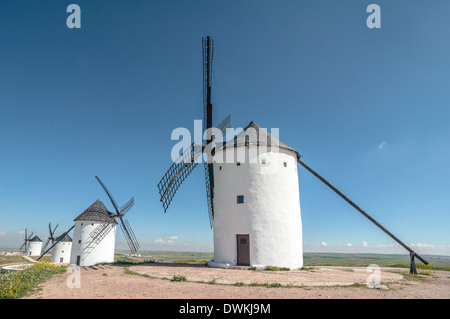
(125, 208)
(109, 194)
(25, 241)
(226, 122)
(46, 243)
(412, 252)
(57, 241)
(129, 235)
(53, 232)
(208, 51)
(100, 232)
(30, 236)
(176, 174)
(209, 181)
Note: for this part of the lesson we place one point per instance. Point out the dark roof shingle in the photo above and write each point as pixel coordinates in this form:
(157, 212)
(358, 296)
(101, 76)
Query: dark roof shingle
(97, 212)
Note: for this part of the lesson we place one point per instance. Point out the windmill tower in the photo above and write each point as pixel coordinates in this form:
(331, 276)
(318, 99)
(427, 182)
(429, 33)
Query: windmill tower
(94, 234)
(253, 204)
(34, 246)
(257, 220)
(62, 249)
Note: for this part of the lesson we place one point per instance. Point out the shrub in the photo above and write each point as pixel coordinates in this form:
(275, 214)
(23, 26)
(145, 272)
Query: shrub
(179, 278)
(18, 284)
(276, 268)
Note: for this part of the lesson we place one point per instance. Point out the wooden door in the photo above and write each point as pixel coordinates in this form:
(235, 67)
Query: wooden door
(243, 250)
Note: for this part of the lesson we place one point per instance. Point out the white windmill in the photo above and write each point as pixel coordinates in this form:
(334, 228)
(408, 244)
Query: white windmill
(94, 234)
(253, 204)
(62, 250)
(34, 246)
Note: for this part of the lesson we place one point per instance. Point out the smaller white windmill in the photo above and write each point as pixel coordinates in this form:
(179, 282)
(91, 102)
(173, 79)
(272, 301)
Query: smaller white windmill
(34, 246)
(94, 234)
(61, 251)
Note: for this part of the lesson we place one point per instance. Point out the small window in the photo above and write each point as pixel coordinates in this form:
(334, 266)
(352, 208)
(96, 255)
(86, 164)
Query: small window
(263, 161)
(220, 168)
(284, 164)
(79, 241)
(238, 164)
(240, 199)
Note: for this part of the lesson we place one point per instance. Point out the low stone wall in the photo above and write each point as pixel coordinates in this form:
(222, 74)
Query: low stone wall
(12, 268)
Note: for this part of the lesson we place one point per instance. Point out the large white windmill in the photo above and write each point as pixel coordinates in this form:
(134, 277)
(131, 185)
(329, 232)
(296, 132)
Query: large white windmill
(253, 200)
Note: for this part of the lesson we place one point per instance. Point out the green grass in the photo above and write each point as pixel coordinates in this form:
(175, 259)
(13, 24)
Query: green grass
(382, 260)
(172, 256)
(179, 278)
(12, 260)
(275, 268)
(18, 284)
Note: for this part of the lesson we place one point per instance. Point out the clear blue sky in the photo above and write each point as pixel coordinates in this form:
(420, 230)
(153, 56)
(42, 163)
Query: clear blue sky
(367, 108)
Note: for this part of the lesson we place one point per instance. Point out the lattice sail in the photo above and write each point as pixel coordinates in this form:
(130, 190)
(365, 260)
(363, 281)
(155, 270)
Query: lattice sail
(129, 235)
(177, 173)
(100, 232)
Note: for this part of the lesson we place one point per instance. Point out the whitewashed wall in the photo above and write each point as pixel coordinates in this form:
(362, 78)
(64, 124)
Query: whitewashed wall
(90, 252)
(270, 213)
(34, 248)
(61, 250)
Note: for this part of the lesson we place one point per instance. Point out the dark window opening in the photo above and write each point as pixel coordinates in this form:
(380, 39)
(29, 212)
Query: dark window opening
(240, 199)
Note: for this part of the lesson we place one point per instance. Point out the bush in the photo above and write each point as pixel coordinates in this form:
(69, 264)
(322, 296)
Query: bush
(179, 278)
(18, 284)
(275, 268)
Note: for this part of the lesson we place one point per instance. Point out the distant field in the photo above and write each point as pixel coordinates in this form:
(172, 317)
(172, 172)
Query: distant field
(310, 259)
(362, 260)
(19, 259)
(170, 256)
(12, 259)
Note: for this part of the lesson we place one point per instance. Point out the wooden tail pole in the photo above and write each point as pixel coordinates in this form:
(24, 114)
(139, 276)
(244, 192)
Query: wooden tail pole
(412, 252)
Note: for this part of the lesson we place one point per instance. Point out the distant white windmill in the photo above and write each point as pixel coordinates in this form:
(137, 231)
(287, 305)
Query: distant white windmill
(34, 246)
(61, 251)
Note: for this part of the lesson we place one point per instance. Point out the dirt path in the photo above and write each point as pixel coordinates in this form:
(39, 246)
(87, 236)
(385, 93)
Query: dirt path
(119, 282)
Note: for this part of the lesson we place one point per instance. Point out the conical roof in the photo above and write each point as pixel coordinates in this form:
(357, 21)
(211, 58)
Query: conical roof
(97, 212)
(36, 238)
(65, 238)
(253, 134)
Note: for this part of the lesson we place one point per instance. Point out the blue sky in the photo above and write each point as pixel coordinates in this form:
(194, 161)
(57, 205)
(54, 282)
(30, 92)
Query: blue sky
(367, 108)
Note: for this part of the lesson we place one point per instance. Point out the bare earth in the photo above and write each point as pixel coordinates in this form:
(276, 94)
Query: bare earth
(153, 281)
